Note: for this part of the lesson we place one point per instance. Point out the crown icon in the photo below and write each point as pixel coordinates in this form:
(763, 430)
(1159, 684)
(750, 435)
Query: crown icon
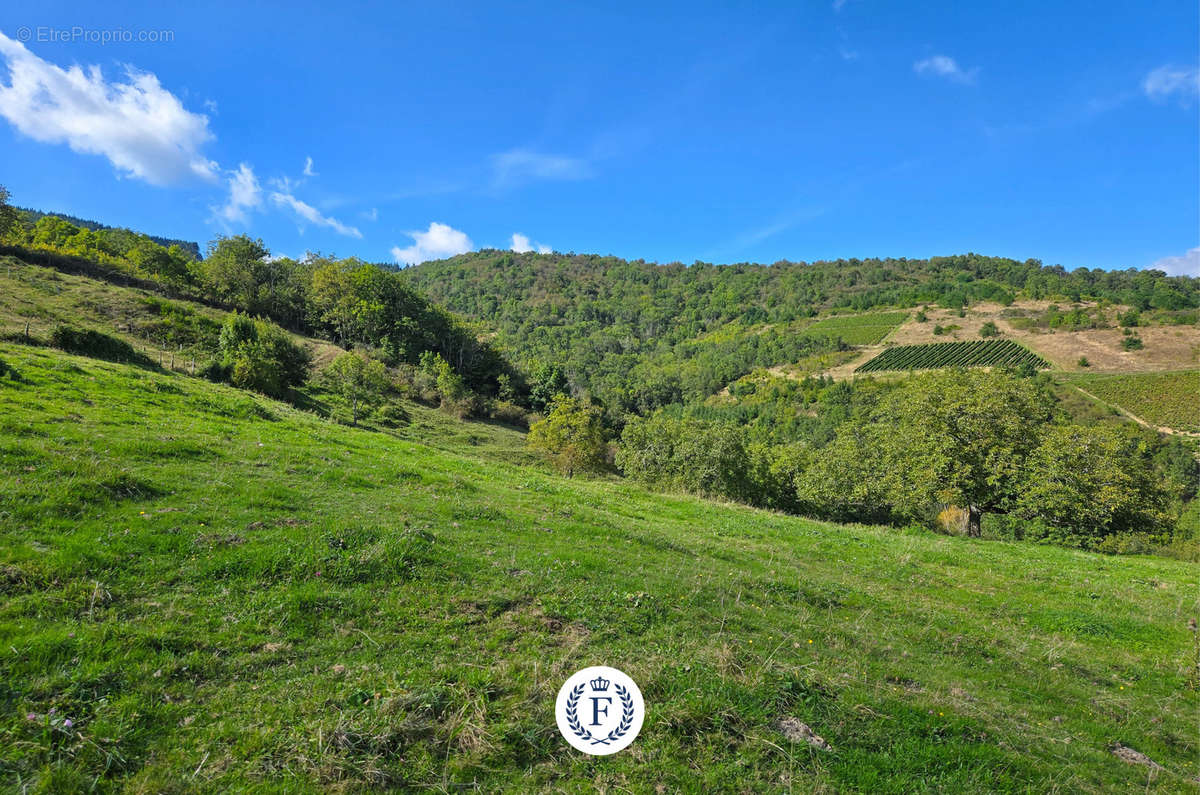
(599, 684)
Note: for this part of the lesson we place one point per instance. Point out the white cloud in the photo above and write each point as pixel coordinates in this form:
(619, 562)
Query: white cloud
(523, 165)
(142, 128)
(372, 214)
(1168, 81)
(438, 242)
(309, 213)
(244, 194)
(1184, 265)
(308, 167)
(945, 66)
(522, 244)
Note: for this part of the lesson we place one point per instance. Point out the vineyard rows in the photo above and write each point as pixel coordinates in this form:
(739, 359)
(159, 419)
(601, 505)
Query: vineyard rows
(979, 353)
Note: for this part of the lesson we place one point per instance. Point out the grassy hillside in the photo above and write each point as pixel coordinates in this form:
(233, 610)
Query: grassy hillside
(170, 330)
(220, 592)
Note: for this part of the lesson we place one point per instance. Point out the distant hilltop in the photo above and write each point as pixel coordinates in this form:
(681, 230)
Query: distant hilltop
(189, 246)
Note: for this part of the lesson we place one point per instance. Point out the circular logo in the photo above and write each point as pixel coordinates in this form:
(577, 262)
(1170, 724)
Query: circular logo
(599, 710)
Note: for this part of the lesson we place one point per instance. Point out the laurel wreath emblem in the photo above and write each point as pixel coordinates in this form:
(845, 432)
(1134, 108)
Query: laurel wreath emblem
(582, 733)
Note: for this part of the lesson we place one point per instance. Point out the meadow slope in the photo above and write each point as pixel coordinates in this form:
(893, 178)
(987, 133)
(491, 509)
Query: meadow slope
(221, 592)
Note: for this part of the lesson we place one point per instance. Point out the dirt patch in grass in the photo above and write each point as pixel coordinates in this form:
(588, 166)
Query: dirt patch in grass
(1129, 755)
(797, 732)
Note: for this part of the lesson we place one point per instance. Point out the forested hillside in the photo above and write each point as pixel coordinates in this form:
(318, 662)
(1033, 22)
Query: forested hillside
(601, 317)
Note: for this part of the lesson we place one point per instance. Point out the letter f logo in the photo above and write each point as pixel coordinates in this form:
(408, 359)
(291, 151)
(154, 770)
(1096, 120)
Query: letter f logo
(597, 711)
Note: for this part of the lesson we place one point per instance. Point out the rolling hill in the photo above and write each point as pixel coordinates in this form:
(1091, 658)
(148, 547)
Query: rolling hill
(221, 592)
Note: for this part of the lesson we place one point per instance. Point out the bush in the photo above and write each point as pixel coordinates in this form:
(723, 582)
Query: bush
(1132, 343)
(260, 356)
(1083, 362)
(87, 342)
(989, 329)
(1129, 319)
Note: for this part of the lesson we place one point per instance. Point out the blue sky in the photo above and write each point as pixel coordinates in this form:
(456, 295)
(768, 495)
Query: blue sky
(721, 132)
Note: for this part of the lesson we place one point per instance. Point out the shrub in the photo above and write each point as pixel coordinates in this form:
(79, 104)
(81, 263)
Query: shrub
(1132, 343)
(87, 342)
(989, 329)
(1083, 362)
(455, 398)
(260, 356)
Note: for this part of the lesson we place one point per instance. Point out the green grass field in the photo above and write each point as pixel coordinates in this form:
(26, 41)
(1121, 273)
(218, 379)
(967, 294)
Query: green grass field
(1170, 400)
(223, 593)
(869, 329)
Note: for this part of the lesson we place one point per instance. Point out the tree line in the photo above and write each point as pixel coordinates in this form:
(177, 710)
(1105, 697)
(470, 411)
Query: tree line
(991, 449)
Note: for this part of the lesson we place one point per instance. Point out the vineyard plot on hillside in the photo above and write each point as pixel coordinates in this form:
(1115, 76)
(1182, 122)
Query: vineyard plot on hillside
(858, 329)
(979, 353)
(1165, 399)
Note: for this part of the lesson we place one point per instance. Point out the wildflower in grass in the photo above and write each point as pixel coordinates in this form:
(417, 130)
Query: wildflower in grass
(67, 723)
(31, 716)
